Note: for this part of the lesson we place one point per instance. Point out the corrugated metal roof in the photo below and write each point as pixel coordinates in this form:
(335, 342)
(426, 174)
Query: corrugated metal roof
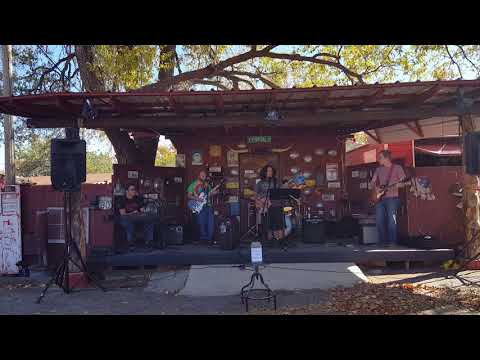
(216, 104)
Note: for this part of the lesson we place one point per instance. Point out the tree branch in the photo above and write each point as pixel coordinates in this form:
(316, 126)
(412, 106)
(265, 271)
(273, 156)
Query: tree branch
(208, 71)
(252, 75)
(177, 61)
(210, 82)
(453, 60)
(297, 57)
(467, 58)
(67, 59)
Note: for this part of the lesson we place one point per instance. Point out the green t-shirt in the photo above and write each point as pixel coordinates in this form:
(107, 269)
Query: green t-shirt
(197, 187)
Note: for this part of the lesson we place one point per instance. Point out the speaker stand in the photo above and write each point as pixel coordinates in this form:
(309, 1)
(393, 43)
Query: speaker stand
(62, 274)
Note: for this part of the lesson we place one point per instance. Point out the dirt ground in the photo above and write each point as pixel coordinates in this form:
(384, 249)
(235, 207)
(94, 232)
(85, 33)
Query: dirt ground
(387, 292)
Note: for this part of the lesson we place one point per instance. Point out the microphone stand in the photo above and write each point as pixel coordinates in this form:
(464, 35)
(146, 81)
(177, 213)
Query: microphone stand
(267, 216)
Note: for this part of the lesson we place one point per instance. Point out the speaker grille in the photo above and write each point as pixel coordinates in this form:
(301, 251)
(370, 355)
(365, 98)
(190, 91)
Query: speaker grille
(68, 164)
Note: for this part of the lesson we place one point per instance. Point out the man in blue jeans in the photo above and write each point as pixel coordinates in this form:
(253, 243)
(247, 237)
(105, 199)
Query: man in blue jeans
(386, 210)
(132, 211)
(200, 189)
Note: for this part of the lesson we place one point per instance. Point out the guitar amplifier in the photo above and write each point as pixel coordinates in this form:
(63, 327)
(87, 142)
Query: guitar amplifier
(314, 231)
(172, 234)
(228, 233)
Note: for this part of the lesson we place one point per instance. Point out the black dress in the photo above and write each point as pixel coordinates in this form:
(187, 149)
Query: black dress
(274, 216)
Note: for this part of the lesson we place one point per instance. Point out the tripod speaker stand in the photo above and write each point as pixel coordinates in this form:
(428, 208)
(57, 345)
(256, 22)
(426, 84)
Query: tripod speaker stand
(71, 255)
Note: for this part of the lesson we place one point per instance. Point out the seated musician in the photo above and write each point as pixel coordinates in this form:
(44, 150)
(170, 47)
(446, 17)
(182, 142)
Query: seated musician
(132, 212)
(272, 217)
(200, 189)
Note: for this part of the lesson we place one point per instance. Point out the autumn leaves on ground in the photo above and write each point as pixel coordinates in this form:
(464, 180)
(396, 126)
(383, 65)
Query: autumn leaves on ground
(388, 299)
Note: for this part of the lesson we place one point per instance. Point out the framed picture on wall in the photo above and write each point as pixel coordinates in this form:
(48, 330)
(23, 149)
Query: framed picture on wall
(332, 172)
(232, 158)
(197, 157)
(180, 160)
(215, 151)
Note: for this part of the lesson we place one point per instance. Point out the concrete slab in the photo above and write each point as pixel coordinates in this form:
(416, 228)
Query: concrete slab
(222, 280)
(167, 282)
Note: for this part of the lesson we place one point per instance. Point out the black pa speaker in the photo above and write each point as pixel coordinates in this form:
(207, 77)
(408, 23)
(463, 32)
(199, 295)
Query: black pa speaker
(472, 152)
(68, 166)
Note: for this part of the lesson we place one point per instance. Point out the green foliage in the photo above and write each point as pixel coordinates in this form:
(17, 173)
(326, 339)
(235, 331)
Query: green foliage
(33, 159)
(165, 156)
(123, 68)
(360, 139)
(99, 163)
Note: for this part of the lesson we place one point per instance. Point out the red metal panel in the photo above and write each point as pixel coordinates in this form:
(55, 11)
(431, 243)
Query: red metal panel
(440, 217)
(101, 229)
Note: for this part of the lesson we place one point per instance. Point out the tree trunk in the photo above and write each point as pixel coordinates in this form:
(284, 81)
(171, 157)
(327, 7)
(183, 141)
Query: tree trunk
(135, 149)
(471, 198)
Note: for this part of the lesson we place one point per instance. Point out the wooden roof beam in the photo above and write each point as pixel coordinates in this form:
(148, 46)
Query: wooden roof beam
(375, 96)
(219, 104)
(427, 94)
(416, 128)
(374, 137)
(177, 107)
(65, 105)
(118, 106)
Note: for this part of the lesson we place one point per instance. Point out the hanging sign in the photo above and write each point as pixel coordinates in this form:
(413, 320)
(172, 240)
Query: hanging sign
(215, 169)
(248, 192)
(232, 185)
(355, 174)
(259, 140)
(328, 197)
(332, 172)
(334, 185)
(133, 174)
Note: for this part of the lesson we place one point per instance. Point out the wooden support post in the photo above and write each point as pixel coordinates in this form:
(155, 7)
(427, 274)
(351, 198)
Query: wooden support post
(471, 197)
(78, 228)
(8, 119)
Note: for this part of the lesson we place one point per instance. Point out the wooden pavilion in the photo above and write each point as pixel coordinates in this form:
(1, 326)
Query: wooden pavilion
(299, 129)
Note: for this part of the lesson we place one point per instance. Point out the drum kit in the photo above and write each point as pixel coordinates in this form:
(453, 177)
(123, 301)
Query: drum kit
(294, 212)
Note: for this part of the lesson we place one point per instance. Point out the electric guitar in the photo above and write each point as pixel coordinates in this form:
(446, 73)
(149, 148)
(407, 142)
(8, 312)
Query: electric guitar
(197, 206)
(378, 192)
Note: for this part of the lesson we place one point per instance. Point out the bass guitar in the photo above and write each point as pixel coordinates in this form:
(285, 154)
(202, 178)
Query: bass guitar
(378, 192)
(197, 206)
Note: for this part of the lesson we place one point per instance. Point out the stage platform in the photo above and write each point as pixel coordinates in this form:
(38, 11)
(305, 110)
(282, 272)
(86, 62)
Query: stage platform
(297, 252)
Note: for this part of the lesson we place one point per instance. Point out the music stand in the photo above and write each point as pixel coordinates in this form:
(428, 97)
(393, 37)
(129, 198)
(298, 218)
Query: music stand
(251, 229)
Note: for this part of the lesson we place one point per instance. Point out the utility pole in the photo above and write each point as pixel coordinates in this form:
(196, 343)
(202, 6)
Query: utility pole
(8, 119)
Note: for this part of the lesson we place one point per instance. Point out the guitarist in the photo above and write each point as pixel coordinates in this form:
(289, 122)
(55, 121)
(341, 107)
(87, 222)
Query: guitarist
(205, 218)
(272, 219)
(386, 209)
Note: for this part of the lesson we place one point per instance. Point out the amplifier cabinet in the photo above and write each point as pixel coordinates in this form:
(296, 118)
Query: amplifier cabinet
(314, 231)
